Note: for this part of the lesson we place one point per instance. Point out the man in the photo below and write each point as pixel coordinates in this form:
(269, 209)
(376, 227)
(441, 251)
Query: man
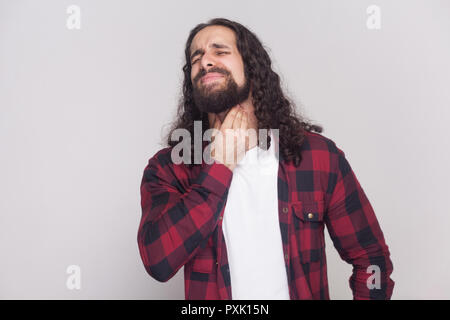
(250, 223)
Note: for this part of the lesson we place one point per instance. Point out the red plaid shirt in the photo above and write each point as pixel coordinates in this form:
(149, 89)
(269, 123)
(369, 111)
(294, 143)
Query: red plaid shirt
(182, 212)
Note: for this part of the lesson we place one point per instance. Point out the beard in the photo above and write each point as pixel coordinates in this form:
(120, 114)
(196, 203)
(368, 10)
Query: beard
(220, 95)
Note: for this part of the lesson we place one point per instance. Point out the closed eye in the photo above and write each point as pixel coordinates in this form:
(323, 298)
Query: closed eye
(218, 52)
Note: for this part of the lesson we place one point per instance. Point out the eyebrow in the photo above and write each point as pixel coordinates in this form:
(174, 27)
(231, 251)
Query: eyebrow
(214, 45)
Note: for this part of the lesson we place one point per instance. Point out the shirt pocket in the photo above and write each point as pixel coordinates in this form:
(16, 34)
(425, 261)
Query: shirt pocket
(308, 228)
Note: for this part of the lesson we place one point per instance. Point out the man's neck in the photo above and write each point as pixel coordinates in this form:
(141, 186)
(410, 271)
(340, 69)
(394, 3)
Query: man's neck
(248, 107)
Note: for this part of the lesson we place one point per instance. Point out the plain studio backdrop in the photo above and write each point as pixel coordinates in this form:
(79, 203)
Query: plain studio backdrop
(82, 111)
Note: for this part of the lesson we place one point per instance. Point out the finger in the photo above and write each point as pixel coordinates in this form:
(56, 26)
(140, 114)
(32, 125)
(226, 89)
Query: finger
(217, 123)
(244, 121)
(211, 117)
(228, 122)
(237, 120)
(243, 128)
(247, 142)
(216, 126)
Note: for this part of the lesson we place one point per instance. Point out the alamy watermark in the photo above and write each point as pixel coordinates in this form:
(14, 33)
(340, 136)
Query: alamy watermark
(374, 281)
(230, 134)
(74, 19)
(373, 21)
(73, 281)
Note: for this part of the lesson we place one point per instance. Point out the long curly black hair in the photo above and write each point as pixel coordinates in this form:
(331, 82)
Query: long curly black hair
(272, 108)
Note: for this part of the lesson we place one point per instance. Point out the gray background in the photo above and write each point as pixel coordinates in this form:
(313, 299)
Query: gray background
(82, 111)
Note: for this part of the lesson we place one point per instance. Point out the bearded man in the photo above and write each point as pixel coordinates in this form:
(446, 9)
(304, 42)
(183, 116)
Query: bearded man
(250, 224)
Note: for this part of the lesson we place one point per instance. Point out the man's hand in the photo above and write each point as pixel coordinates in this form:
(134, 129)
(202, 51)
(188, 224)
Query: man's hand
(230, 141)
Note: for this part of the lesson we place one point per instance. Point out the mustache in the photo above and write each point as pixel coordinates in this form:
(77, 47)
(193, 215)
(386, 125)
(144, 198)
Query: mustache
(212, 70)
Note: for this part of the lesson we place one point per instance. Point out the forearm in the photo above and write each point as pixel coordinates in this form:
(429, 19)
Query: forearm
(173, 226)
(357, 236)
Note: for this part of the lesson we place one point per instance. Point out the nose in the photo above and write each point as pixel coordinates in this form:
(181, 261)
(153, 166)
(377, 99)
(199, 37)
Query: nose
(207, 61)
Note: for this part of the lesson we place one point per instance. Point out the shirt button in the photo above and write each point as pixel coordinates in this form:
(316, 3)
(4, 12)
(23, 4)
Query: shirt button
(285, 209)
(220, 218)
(310, 215)
(286, 256)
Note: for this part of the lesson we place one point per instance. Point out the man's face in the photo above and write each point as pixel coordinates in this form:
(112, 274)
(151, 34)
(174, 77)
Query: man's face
(214, 54)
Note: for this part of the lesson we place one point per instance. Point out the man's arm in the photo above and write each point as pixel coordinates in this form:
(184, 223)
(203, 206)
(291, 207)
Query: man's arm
(356, 234)
(174, 224)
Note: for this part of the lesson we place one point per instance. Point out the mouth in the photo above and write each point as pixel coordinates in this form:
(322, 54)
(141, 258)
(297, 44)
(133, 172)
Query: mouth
(210, 77)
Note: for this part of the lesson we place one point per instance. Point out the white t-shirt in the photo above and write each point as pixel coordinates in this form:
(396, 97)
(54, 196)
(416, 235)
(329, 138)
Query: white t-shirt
(252, 230)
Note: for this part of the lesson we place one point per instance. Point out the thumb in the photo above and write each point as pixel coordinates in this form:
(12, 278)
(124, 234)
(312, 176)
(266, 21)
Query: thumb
(216, 125)
(217, 122)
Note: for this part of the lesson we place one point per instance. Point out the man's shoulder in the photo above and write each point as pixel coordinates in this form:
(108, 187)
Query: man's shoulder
(318, 142)
(162, 157)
